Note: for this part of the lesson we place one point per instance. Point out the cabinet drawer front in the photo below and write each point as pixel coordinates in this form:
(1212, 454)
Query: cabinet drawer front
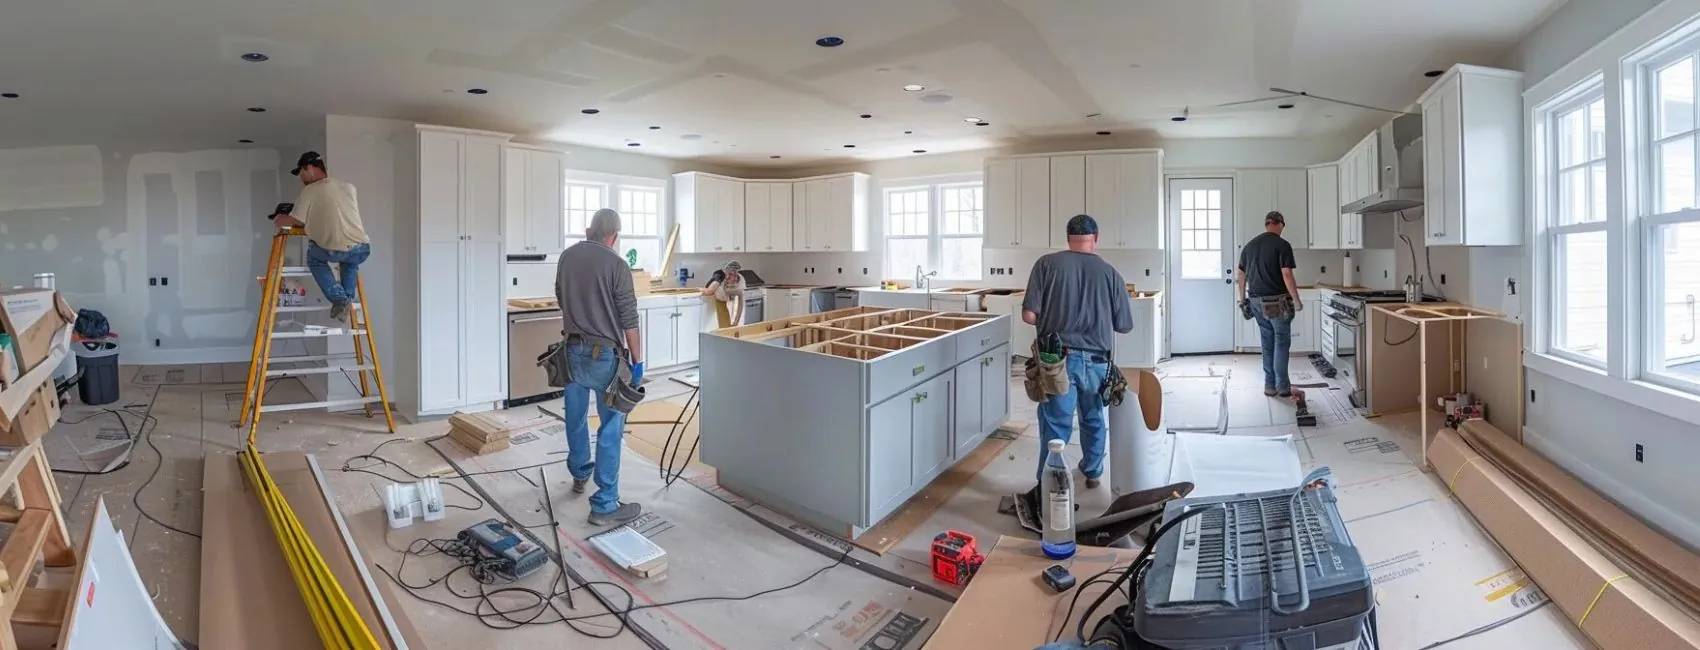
(900, 370)
(979, 338)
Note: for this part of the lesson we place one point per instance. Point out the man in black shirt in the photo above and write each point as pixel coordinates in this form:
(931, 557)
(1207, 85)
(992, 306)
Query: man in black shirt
(1267, 286)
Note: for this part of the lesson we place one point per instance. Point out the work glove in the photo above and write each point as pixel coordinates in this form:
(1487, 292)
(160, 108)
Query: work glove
(1245, 308)
(637, 373)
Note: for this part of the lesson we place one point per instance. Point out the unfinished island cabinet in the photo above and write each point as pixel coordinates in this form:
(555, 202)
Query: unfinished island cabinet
(1473, 143)
(462, 321)
(862, 407)
(533, 210)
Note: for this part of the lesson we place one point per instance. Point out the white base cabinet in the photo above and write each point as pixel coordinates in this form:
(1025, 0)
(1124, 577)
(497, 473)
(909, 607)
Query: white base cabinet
(1305, 327)
(669, 327)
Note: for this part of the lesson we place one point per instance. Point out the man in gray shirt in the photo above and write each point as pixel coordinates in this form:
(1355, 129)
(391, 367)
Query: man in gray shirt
(599, 319)
(1083, 300)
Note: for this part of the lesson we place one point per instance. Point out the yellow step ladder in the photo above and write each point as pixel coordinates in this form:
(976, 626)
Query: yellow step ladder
(365, 355)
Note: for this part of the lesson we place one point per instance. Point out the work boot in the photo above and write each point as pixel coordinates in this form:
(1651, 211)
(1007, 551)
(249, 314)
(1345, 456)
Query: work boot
(1285, 392)
(1092, 483)
(578, 485)
(1268, 392)
(339, 311)
(621, 515)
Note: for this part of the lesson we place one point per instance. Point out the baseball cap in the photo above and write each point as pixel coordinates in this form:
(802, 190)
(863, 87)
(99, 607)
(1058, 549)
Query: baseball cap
(1082, 224)
(309, 158)
(1274, 217)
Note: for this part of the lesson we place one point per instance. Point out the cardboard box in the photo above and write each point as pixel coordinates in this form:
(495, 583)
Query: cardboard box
(37, 417)
(1007, 606)
(32, 317)
(1613, 609)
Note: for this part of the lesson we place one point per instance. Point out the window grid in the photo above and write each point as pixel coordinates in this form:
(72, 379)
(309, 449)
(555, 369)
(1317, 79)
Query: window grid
(1201, 234)
(939, 228)
(641, 219)
(1669, 230)
(1576, 223)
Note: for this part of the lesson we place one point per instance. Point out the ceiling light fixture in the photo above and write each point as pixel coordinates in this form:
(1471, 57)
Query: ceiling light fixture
(829, 41)
(255, 57)
(256, 109)
(866, 116)
(774, 157)
(1103, 133)
(245, 141)
(633, 144)
(914, 88)
(9, 95)
(1434, 73)
(1284, 106)
(655, 128)
(919, 151)
(982, 124)
(591, 111)
(477, 91)
(971, 120)
(849, 146)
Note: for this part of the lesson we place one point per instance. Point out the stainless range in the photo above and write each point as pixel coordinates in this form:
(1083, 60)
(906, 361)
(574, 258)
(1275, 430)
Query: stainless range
(1343, 330)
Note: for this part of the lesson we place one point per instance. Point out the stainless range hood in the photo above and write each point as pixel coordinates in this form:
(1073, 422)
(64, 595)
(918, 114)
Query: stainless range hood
(1400, 149)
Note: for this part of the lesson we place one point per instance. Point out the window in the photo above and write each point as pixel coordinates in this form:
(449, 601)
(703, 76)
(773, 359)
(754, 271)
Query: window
(938, 228)
(1670, 229)
(1201, 234)
(1576, 227)
(638, 200)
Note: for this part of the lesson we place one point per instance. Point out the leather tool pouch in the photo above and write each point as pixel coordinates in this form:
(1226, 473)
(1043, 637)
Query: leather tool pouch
(554, 364)
(622, 394)
(1053, 377)
(1114, 387)
(1275, 307)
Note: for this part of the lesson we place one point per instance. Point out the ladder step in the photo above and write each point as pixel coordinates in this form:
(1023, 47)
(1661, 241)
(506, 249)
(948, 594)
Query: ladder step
(296, 271)
(314, 357)
(340, 331)
(319, 307)
(315, 370)
(274, 408)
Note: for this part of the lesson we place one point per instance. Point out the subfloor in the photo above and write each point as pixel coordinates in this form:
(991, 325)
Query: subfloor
(1440, 581)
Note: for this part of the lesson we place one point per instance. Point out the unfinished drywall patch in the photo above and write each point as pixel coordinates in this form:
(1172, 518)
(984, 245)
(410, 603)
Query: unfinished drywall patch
(50, 177)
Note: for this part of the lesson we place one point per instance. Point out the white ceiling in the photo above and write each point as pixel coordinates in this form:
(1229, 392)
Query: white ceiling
(743, 75)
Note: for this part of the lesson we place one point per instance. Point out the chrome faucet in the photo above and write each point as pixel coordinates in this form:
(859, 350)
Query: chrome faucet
(922, 280)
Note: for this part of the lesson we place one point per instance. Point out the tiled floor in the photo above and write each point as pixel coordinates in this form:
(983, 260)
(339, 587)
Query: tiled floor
(1439, 579)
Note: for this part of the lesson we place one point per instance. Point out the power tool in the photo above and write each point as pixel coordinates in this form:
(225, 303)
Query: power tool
(956, 557)
(509, 556)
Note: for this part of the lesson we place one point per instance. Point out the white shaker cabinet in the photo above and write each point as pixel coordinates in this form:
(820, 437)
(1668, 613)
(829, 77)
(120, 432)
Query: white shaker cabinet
(1124, 193)
(1472, 145)
(1029, 199)
(1258, 191)
(1068, 196)
(533, 214)
(1018, 203)
(1325, 223)
(830, 213)
(709, 210)
(768, 217)
(462, 323)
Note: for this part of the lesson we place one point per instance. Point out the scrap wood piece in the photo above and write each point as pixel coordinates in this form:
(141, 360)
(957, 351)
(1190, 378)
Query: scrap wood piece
(1654, 557)
(476, 446)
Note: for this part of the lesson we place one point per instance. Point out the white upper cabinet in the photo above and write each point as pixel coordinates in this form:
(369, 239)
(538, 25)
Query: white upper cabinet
(1258, 191)
(1360, 170)
(717, 214)
(768, 217)
(1472, 151)
(534, 218)
(709, 210)
(1029, 199)
(1325, 223)
(830, 214)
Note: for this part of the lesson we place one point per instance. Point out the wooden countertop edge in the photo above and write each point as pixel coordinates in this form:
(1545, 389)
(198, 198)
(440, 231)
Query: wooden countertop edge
(1420, 313)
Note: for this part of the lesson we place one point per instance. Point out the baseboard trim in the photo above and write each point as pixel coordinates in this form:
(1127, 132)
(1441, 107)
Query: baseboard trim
(1661, 518)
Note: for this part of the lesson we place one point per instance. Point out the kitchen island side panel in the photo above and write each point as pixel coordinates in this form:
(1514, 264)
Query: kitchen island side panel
(785, 422)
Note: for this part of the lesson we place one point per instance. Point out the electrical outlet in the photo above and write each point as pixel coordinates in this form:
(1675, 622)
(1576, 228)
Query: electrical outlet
(841, 270)
(1443, 278)
(1148, 273)
(1639, 451)
(164, 281)
(156, 343)
(1325, 269)
(1531, 396)
(153, 282)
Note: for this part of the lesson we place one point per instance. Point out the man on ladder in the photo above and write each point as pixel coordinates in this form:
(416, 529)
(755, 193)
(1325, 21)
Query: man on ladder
(328, 211)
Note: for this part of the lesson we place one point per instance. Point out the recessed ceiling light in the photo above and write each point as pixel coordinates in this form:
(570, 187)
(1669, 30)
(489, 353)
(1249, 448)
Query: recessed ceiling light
(971, 120)
(866, 116)
(477, 91)
(774, 157)
(9, 95)
(908, 133)
(255, 57)
(1103, 133)
(1093, 115)
(633, 144)
(591, 111)
(829, 41)
(982, 124)
(914, 88)
(882, 70)
(246, 141)
(919, 151)
(849, 146)
(256, 109)
(1434, 73)
(1284, 106)
(691, 136)
(1178, 118)
(655, 128)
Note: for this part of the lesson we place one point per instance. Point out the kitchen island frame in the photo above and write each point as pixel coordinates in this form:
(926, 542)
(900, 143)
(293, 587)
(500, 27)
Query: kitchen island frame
(838, 418)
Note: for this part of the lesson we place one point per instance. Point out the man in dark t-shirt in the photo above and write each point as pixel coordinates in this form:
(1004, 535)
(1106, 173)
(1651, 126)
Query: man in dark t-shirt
(1267, 286)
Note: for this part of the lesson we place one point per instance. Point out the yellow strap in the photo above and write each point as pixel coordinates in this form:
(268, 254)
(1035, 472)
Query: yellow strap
(1452, 485)
(1597, 596)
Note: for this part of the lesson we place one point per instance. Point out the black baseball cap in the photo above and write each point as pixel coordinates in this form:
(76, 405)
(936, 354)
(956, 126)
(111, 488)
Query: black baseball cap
(1274, 217)
(310, 158)
(1082, 224)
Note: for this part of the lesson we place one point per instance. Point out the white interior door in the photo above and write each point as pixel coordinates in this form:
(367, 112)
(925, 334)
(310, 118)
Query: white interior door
(1201, 266)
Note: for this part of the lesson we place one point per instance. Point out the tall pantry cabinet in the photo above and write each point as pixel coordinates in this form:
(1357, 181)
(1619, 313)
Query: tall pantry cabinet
(461, 318)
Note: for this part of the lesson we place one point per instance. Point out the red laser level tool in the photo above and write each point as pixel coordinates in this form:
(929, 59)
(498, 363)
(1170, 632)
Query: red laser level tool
(955, 557)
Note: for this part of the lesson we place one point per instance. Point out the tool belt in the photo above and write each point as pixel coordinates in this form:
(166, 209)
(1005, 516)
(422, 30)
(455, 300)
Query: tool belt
(1045, 379)
(621, 394)
(1274, 307)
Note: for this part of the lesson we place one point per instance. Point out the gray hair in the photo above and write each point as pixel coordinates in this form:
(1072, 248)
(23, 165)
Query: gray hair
(604, 224)
(734, 266)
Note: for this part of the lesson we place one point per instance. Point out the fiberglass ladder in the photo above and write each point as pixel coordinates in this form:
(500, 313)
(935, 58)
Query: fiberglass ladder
(359, 326)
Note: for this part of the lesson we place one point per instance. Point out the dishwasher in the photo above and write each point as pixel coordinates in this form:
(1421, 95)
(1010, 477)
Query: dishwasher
(530, 333)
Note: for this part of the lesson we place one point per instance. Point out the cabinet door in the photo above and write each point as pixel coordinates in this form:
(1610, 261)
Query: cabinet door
(440, 327)
(1303, 331)
(1141, 180)
(1254, 197)
(1003, 229)
(994, 395)
(799, 303)
(1324, 193)
(758, 217)
(1293, 202)
(545, 186)
(1068, 195)
(890, 454)
(836, 228)
(481, 218)
(1107, 200)
(930, 428)
(1351, 231)
(514, 227)
(1033, 202)
(779, 217)
(811, 226)
(485, 321)
(660, 337)
(966, 396)
(1446, 225)
(687, 325)
(731, 215)
(441, 198)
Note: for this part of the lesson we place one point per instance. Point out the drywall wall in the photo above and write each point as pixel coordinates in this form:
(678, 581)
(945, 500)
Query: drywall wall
(1573, 28)
(165, 241)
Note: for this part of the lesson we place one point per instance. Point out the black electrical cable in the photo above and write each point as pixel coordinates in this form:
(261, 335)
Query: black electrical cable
(670, 467)
(1080, 589)
(147, 437)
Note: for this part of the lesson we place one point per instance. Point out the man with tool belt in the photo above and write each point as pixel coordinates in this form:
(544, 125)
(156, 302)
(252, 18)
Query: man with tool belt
(599, 319)
(1082, 301)
(1266, 272)
(329, 212)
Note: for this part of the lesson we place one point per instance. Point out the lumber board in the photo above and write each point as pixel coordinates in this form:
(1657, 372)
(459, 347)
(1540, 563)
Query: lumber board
(17, 557)
(42, 607)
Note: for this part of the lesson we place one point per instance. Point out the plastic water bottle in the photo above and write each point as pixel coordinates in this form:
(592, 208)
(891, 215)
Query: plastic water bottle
(1056, 487)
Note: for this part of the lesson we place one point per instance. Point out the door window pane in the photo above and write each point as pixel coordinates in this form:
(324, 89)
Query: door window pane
(1579, 267)
(1201, 265)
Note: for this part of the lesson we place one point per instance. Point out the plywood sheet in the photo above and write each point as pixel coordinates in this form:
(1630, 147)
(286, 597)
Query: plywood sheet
(914, 513)
(1493, 371)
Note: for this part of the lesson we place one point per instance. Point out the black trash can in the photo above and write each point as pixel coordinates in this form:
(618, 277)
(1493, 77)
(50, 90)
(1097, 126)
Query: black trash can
(98, 361)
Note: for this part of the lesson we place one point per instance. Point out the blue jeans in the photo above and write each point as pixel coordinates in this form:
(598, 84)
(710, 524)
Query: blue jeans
(319, 262)
(591, 377)
(1057, 414)
(1277, 342)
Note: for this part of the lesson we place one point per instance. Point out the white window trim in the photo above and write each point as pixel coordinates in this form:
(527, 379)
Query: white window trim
(1543, 136)
(611, 185)
(935, 211)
